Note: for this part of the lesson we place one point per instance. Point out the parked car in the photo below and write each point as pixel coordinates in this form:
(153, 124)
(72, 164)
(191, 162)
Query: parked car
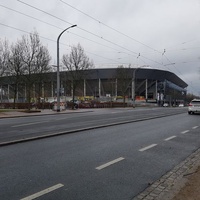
(181, 105)
(76, 103)
(165, 105)
(194, 106)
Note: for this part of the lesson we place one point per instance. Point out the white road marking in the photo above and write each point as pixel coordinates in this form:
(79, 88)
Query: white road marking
(186, 131)
(28, 124)
(110, 163)
(195, 127)
(148, 147)
(170, 138)
(41, 193)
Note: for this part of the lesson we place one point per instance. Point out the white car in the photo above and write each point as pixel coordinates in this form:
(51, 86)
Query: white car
(194, 106)
(165, 105)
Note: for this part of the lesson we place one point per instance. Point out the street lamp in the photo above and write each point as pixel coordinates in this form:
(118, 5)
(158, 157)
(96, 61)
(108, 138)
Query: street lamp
(58, 72)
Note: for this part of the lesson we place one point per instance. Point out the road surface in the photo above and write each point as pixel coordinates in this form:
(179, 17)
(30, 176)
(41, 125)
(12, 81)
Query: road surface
(115, 162)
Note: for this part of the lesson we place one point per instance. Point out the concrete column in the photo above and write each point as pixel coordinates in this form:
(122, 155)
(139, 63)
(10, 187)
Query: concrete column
(156, 89)
(1, 93)
(72, 89)
(8, 92)
(116, 88)
(25, 97)
(146, 90)
(52, 93)
(133, 89)
(99, 87)
(17, 95)
(34, 91)
(84, 88)
(42, 89)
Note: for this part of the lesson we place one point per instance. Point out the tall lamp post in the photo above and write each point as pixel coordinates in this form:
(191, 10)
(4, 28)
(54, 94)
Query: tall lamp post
(58, 71)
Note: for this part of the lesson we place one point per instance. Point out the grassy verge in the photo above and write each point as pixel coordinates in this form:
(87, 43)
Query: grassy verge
(6, 110)
(19, 110)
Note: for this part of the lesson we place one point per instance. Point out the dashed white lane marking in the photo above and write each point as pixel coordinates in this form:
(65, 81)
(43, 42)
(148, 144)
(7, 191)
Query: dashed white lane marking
(41, 193)
(195, 127)
(186, 131)
(110, 163)
(148, 147)
(28, 124)
(170, 138)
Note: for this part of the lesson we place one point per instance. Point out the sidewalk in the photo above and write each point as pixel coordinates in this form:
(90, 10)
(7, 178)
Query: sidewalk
(181, 183)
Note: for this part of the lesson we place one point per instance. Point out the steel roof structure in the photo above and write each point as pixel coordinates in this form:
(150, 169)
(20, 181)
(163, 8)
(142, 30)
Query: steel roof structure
(141, 73)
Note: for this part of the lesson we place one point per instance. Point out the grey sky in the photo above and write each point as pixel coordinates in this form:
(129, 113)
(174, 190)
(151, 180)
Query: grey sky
(164, 34)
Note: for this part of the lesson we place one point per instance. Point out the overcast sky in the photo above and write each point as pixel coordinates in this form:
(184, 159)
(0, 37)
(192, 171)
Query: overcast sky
(163, 34)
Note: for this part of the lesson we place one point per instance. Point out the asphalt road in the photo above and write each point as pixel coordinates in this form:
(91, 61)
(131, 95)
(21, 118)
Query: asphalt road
(21, 128)
(115, 162)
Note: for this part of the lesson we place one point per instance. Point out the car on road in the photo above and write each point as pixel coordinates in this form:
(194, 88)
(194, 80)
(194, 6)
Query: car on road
(194, 106)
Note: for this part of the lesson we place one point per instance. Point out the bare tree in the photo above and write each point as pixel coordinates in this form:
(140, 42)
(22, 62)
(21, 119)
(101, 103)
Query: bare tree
(35, 58)
(4, 54)
(123, 80)
(42, 60)
(15, 67)
(77, 63)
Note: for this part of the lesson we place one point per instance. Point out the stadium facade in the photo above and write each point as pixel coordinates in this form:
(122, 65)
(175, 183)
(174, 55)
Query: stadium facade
(143, 84)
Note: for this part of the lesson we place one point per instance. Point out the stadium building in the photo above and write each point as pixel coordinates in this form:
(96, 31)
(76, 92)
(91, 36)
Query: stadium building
(141, 84)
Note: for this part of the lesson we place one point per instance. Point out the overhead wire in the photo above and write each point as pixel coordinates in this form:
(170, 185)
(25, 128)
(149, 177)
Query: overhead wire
(30, 16)
(77, 26)
(75, 34)
(54, 26)
(24, 31)
(94, 33)
(89, 31)
(51, 40)
(174, 65)
(109, 26)
(86, 30)
(29, 5)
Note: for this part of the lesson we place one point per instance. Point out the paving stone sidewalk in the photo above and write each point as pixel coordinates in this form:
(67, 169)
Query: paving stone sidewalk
(170, 184)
